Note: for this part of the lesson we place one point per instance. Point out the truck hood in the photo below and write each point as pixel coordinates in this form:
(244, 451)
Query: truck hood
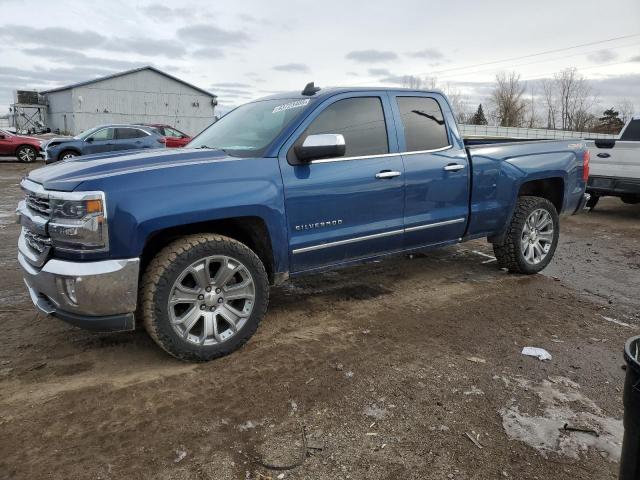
(68, 175)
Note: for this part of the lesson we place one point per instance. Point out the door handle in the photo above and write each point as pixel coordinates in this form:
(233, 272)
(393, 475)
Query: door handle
(604, 155)
(387, 174)
(453, 167)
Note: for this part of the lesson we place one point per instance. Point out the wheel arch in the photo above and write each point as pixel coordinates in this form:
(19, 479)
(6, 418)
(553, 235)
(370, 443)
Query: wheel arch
(551, 188)
(250, 230)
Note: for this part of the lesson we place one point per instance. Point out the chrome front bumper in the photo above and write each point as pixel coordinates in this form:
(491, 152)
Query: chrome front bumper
(99, 296)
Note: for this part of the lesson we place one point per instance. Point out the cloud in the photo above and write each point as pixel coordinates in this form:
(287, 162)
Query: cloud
(146, 46)
(58, 36)
(163, 13)
(602, 56)
(428, 54)
(635, 59)
(379, 72)
(207, 35)
(208, 52)
(73, 57)
(292, 67)
(231, 85)
(371, 56)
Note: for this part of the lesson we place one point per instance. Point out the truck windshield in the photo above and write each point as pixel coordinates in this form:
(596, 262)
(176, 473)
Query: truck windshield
(249, 129)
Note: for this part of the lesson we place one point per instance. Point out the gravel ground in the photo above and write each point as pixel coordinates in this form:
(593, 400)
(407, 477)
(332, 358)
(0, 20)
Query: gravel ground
(406, 368)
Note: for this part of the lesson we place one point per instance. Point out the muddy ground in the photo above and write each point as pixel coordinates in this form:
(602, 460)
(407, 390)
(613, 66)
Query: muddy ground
(409, 368)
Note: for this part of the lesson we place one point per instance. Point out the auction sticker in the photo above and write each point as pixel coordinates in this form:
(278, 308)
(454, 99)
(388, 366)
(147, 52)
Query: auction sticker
(291, 105)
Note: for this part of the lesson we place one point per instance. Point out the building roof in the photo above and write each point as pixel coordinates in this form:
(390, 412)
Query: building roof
(127, 72)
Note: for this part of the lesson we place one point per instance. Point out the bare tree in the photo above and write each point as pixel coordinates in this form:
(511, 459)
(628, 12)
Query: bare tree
(507, 99)
(576, 98)
(550, 102)
(458, 103)
(626, 109)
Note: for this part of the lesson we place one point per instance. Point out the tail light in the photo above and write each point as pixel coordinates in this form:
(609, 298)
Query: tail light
(586, 157)
(162, 140)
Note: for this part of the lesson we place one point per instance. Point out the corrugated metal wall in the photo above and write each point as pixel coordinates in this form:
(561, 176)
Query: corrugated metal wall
(60, 111)
(140, 97)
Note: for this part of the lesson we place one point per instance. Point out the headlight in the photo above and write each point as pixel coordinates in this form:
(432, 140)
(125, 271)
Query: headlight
(79, 223)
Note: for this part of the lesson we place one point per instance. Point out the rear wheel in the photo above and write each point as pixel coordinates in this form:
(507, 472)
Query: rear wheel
(26, 154)
(203, 296)
(531, 238)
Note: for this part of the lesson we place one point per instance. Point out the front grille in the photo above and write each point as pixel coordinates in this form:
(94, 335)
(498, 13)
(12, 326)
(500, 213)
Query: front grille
(36, 242)
(38, 204)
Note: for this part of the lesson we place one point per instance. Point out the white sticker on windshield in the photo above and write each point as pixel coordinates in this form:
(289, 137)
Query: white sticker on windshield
(290, 105)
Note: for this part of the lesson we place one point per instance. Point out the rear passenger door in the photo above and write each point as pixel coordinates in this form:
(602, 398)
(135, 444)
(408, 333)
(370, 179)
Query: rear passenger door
(348, 207)
(436, 170)
(128, 138)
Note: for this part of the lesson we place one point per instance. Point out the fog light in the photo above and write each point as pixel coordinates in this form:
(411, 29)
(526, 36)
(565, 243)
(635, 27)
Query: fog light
(70, 289)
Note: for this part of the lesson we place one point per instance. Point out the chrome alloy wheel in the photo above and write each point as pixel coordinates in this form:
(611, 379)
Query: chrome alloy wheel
(69, 155)
(27, 155)
(211, 300)
(537, 236)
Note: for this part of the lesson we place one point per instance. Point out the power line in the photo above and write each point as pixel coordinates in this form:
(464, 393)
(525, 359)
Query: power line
(547, 52)
(537, 61)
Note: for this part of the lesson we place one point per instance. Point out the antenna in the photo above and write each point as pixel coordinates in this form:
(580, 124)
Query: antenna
(310, 89)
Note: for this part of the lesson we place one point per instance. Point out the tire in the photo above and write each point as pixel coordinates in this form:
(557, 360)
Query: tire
(520, 257)
(176, 273)
(26, 154)
(67, 154)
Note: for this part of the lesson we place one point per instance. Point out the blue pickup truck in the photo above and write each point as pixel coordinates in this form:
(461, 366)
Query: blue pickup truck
(187, 242)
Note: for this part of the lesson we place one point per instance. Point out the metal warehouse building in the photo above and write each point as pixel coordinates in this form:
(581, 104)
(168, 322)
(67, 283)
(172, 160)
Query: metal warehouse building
(142, 95)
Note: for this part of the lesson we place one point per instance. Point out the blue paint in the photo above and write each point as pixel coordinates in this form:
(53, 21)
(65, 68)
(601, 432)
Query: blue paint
(150, 191)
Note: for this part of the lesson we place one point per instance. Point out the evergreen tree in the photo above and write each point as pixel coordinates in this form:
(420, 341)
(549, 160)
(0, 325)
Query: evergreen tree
(478, 118)
(610, 122)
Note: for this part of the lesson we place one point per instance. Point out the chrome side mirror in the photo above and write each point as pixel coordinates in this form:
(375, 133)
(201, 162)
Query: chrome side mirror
(325, 145)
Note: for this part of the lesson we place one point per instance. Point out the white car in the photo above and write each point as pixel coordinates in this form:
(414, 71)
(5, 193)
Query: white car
(615, 165)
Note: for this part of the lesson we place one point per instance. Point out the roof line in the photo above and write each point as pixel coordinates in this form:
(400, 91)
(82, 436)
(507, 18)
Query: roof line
(127, 72)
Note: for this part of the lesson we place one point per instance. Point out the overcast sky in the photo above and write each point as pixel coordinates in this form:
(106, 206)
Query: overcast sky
(246, 49)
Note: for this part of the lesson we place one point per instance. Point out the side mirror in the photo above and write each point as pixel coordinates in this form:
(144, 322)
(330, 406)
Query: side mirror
(89, 140)
(2, 137)
(325, 145)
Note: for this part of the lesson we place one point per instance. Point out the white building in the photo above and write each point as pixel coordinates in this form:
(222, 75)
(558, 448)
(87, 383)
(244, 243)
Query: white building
(142, 95)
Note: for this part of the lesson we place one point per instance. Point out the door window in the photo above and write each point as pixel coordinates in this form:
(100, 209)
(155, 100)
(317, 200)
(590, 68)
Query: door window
(104, 134)
(360, 120)
(170, 132)
(423, 122)
(128, 133)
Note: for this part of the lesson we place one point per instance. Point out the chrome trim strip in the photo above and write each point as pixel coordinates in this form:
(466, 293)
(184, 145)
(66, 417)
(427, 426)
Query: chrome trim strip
(442, 149)
(376, 235)
(347, 241)
(437, 224)
(383, 155)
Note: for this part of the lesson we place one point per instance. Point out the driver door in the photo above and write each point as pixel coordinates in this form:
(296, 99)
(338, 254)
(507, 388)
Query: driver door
(349, 207)
(101, 141)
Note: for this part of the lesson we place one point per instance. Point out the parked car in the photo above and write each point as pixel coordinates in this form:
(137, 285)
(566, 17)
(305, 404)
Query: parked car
(25, 149)
(189, 240)
(615, 165)
(175, 138)
(104, 138)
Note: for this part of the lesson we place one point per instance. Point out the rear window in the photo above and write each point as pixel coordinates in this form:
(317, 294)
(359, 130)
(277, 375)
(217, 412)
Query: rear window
(423, 122)
(360, 120)
(632, 132)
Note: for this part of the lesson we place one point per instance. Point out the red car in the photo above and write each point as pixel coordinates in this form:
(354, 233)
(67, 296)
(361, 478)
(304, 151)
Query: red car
(26, 149)
(175, 138)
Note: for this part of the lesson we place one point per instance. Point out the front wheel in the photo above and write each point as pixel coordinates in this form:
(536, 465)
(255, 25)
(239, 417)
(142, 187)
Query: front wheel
(67, 155)
(531, 238)
(26, 154)
(203, 296)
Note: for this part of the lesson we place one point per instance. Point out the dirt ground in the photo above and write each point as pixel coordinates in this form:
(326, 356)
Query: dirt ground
(409, 368)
